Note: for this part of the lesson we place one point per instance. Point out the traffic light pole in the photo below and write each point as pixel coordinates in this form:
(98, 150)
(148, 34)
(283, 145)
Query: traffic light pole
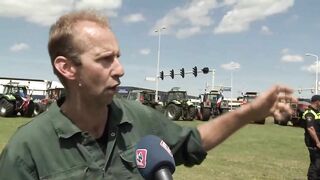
(182, 73)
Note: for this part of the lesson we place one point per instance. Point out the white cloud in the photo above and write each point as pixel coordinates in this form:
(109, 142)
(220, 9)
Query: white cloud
(145, 51)
(182, 21)
(45, 12)
(287, 56)
(285, 51)
(312, 68)
(265, 30)
(229, 2)
(186, 32)
(291, 58)
(247, 11)
(97, 4)
(198, 14)
(133, 18)
(19, 47)
(231, 66)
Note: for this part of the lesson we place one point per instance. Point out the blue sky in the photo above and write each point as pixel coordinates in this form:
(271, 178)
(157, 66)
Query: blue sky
(265, 39)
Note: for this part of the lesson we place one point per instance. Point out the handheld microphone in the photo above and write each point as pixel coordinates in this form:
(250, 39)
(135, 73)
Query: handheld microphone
(154, 159)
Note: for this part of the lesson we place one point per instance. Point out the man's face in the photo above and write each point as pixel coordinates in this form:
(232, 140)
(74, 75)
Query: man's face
(318, 105)
(101, 70)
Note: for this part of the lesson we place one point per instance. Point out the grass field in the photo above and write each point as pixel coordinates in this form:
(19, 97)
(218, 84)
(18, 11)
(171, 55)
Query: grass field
(255, 152)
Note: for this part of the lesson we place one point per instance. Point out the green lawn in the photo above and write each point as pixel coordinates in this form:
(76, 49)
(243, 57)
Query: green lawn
(255, 152)
(8, 127)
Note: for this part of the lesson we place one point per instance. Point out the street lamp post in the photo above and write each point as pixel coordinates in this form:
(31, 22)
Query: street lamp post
(231, 84)
(317, 69)
(158, 62)
(212, 80)
(231, 90)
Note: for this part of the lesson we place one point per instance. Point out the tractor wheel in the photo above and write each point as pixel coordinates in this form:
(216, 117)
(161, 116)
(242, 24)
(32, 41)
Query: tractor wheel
(206, 113)
(173, 112)
(159, 108)
(191, 113)
(295, 121)
(283, 123)
(38, 108)
(30, 110)
(6, 108)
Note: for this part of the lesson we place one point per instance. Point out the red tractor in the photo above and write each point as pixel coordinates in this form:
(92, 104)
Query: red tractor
(249, 97)
(15, 99)
(296, 117)
(52, 95)
(210, 105)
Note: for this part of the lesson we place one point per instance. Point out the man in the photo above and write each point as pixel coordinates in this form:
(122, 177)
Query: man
(90, 134)
(312, 135)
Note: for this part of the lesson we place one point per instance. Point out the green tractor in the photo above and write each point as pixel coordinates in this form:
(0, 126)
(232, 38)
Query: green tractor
(177, 105)
(15, 99)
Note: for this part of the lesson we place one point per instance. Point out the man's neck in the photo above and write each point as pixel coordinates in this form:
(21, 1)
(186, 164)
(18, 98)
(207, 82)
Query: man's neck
(88, 117)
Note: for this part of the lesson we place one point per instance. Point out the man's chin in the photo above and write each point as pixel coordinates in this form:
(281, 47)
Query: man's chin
(109, 98)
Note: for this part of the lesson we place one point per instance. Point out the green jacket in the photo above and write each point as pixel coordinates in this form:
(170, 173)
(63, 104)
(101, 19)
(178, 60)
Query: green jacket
(52, 147)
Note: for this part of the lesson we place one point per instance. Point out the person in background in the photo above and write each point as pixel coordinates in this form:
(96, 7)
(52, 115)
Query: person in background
(312, 136)
(90, 134)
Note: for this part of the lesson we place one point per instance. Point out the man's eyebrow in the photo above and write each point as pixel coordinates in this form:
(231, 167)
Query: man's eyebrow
(107, 54)
(104, 54)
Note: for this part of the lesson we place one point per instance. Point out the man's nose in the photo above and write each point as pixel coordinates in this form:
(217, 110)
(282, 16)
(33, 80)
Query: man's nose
(117, 68)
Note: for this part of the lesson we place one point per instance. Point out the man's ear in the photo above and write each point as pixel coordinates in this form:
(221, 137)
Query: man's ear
(65, 67)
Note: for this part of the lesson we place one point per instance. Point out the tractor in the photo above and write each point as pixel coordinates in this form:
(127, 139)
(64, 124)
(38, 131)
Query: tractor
(177, 105)
(298, 109)
(210, 105)
(15, 99)
(145, 97)
(249, 97)
(52, 95)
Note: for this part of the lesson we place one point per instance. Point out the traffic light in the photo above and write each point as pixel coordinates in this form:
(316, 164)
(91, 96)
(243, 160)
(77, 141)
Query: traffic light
(161, 75)
(172, 73)
(182, 72)
(195, 71)
(205, 70)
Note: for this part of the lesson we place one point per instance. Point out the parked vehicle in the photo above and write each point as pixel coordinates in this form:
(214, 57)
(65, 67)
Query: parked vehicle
(249, 97)
(145, 97)
(15, 99)
(52, 95)
(296, 117)
(177, 105)
(210, 105)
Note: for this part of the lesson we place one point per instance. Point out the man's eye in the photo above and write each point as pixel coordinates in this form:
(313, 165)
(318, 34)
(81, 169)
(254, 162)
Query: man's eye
(106, 58)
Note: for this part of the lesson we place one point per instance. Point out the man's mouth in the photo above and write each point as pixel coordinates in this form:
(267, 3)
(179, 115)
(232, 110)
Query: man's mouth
(114, 87)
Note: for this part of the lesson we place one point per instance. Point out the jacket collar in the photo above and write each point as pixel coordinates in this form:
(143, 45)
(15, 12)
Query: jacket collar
(65, 128)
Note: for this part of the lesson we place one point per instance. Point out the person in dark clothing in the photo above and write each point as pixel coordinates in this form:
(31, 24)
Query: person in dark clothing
(312, 136)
